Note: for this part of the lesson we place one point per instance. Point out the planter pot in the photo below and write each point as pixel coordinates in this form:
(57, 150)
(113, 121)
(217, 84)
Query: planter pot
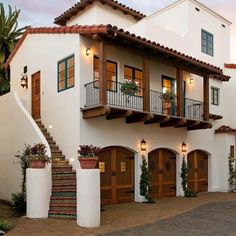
(37, 164)
(88, 162)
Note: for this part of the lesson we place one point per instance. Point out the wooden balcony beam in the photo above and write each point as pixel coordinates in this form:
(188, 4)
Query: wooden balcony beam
(180, 99)
(206, 114)
(157, 119)
(172, 122)
(146, 85)
(102, 74)
(202, 125)
(139, 117)
(96, 112)
(116, 114)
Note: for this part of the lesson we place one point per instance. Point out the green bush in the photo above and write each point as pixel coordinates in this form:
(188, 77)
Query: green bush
(19, 202)
(4, 225)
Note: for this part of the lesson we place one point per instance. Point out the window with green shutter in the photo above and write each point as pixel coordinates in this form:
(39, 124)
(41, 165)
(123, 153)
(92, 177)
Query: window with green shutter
(207, 43)
(66, 73)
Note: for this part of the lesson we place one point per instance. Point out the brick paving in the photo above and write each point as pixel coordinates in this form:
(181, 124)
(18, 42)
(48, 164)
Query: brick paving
(138, 216)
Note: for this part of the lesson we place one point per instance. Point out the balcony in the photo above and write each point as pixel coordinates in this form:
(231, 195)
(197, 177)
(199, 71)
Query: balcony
(132, 107)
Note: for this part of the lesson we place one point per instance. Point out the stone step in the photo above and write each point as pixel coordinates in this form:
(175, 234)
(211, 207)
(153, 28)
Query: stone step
(61, 168)
(58, 158)
(63, 173)
(63, 215)
(60, 163)
(63, 207)
(64, 194)
(63, 185)
(56, 152)
(63, 189)
(63, 200)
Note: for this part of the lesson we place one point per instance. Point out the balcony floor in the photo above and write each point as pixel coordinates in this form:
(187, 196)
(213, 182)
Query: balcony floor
(135, 116)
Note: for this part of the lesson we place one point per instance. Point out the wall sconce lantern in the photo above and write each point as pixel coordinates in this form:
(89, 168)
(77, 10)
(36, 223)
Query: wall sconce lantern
(191, 80)
(88, 52)
(143, 145)
(184, 148)
(24, 81)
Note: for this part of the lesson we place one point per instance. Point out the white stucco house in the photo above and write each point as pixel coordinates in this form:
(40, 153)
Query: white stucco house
(74, 74)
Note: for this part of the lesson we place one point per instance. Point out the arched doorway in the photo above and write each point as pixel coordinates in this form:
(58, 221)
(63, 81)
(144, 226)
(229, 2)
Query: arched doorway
(198, 171)
(162, 166)
(116, 166)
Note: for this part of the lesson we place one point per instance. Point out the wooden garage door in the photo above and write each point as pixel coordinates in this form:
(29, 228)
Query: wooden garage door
(36, 114)
(162, 167)
(117, 175)
(198, 171)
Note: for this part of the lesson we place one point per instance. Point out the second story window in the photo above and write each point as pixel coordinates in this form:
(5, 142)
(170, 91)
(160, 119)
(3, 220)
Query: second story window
(131, 73)
(66, 73)
(111, 73)
(215, 96)
(207, 43)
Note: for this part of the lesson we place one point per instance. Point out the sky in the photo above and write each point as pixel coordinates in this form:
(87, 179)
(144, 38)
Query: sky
(43, 12)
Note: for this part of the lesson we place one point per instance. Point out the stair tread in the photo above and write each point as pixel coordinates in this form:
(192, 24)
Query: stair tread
(63, 212)
(62, 205)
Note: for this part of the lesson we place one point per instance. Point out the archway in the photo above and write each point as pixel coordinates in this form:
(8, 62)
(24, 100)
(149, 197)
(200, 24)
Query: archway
(116, 166)
(198, 171)
(162, 166)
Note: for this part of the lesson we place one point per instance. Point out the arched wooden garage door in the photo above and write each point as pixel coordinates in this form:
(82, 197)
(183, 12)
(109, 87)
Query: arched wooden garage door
(198, 171)
(162, 166)
(117, 175)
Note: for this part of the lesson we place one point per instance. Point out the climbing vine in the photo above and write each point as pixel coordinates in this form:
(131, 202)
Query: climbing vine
(232, 171)
(184, 176)
(145, 183)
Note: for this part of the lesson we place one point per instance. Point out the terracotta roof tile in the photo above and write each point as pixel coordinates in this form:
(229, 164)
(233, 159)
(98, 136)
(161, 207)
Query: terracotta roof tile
(230, 66)
(80, 6)
(107, 30)
(224, 129)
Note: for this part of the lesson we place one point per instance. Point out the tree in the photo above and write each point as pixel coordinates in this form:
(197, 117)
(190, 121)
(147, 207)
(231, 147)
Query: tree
(9, 36)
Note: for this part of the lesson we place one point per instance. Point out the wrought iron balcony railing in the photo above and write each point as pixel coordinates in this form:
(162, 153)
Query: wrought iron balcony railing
(159, 104)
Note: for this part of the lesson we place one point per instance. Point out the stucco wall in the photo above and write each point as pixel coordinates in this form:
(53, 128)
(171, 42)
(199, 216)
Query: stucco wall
(41, 52)
(97, 14)
(17, 129)
(180, 27)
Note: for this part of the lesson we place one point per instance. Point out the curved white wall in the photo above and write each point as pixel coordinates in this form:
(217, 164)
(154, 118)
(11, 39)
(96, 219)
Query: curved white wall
(17, 128)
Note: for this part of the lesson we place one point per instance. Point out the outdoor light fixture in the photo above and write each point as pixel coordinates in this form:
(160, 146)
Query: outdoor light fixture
(143, 145)
(88, 51)
(24, 81)
(184, 148)
(191, 80)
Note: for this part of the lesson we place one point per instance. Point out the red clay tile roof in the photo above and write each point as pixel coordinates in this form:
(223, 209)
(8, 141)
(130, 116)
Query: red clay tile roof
(80, 6)
(224, 129)
(230, 66)
(108, 30)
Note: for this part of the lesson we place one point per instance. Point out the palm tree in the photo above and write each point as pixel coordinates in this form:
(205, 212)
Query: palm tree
(9, 36)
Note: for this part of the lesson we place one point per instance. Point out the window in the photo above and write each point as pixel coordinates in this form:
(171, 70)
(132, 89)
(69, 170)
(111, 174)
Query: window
(214, 96)
(111, 73)
(66, 73)
(207, 43)
(131, 73)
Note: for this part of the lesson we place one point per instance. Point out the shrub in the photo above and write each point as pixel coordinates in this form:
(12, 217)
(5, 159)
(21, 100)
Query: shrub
(4, 225)
(88, 150)
(19, 202)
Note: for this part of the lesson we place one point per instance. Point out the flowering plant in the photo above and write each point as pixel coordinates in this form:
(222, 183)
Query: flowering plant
(88, 150)
(130, 87)
(168, 96)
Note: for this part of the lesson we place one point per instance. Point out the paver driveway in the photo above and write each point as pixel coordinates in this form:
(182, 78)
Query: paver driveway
(215, 219)
(169, 214)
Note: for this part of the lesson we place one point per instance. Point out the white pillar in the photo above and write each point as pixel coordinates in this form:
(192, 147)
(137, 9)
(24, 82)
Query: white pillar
(37, 193)
(88, 198)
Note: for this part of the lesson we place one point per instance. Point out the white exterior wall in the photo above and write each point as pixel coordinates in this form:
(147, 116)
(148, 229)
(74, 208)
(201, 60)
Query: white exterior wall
(181, 24)
(17, 129)
(41, 52)
(97, 14)
(230, 98)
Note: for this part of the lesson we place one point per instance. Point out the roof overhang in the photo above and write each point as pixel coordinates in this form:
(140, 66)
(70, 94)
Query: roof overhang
(136, 43)
(80, 6)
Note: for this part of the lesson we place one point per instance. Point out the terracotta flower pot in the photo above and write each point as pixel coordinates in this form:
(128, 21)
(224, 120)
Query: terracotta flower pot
(37, 164)
(88, 162)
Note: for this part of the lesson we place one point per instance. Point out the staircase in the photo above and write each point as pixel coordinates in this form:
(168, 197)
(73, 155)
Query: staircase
(63, 198)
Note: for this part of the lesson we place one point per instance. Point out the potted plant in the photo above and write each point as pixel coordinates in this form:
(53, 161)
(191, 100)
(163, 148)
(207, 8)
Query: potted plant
(129, 87)
(168, 97)
(35, 157)
(88, 156)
